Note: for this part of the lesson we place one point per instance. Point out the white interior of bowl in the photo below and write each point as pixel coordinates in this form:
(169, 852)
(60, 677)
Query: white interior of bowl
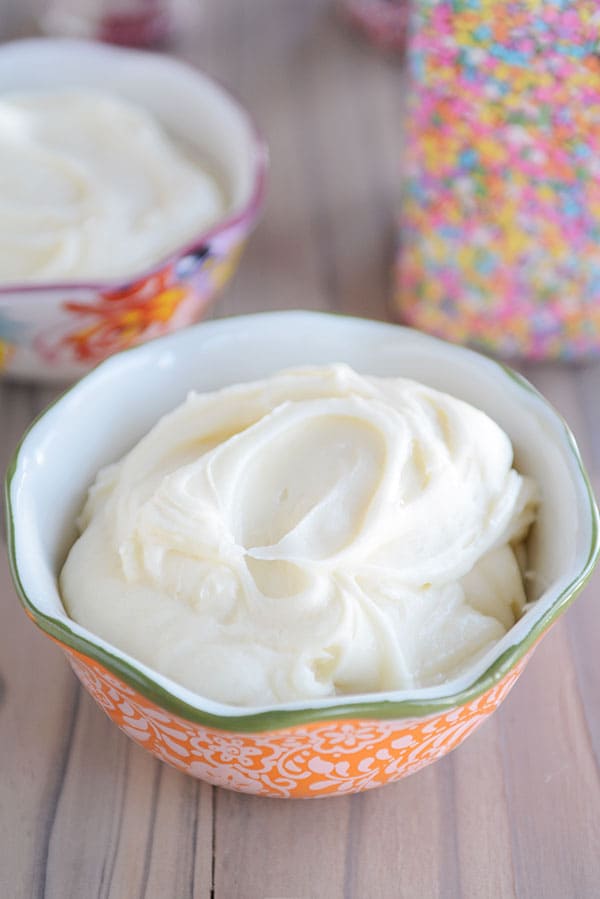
(111, 408)
(192, 107)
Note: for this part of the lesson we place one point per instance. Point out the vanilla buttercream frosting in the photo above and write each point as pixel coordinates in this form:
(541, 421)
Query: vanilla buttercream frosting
(312, 534)
(92, 187)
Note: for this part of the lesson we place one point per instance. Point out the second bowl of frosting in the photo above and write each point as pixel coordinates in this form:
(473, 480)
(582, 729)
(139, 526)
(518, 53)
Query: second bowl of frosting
(130, 182)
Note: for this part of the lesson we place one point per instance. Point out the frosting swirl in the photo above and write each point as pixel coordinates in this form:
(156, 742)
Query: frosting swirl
(312, 533)
(91, 187)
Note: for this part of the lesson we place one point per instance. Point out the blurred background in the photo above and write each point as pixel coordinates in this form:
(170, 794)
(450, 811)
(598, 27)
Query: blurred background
(330, 108)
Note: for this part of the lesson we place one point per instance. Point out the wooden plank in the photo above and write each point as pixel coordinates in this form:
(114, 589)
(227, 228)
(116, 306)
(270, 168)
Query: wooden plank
(482, 814)
(398, 843)
(270, 848)
(551, 778)
(36, 711)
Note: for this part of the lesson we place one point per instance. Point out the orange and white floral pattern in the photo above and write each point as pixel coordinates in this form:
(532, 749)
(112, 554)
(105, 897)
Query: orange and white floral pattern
(172, 297)
(332, 757)
(62, 331)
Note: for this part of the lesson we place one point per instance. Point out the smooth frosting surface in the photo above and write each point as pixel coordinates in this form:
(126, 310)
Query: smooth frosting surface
(92, 187)
(318, 532)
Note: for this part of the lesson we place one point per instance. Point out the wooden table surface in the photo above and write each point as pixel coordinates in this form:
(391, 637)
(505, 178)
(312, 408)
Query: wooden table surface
(515, 811)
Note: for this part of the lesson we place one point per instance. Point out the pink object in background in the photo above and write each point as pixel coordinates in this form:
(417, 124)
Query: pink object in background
(132, 23)
(384, 22)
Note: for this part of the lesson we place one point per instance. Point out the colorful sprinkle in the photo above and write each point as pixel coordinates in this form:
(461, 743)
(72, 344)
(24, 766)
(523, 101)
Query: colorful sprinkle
(500, 223)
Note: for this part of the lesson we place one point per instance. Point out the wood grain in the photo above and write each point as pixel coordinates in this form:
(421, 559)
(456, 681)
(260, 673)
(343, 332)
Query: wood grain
(515, 812)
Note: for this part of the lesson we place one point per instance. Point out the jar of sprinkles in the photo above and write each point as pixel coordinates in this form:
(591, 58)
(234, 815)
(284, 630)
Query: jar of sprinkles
(500, 221)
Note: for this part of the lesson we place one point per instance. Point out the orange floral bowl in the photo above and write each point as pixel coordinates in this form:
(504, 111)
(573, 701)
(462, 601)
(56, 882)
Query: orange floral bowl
(342, 744)
(58, 331)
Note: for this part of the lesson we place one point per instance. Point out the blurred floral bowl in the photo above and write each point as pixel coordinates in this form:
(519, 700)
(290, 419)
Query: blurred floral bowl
(342, 744)
(58, 331)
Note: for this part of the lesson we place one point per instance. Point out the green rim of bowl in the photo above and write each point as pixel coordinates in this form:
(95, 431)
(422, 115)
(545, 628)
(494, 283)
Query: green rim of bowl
(279, 718)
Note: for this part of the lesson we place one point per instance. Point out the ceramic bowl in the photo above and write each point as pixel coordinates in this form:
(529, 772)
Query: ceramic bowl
(339, 745)
(58, 331)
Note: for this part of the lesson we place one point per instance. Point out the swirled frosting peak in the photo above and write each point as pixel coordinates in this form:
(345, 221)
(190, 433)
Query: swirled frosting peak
(92, 187)
(315, 533)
